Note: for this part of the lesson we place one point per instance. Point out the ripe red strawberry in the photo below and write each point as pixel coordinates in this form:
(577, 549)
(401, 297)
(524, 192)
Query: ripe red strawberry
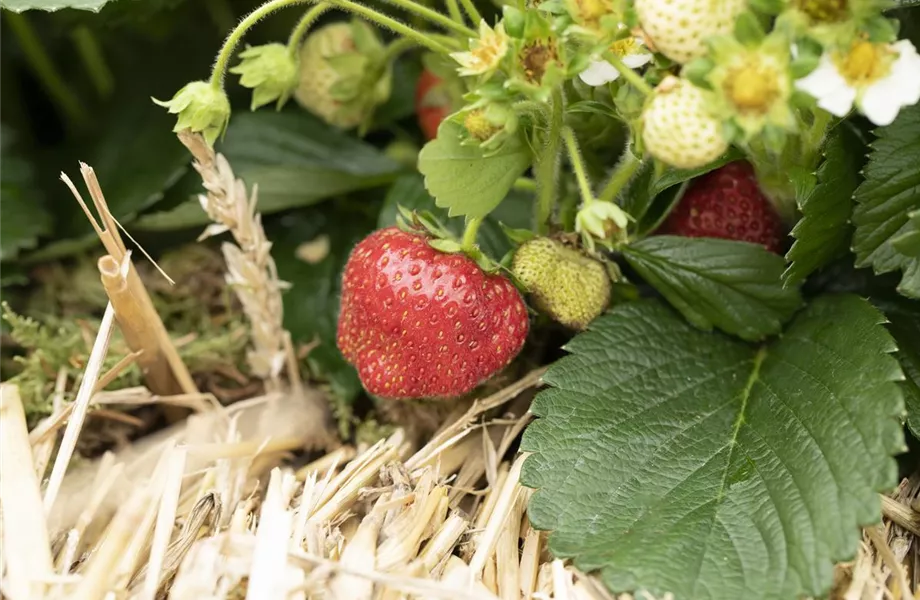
(420, 323)
(727, 203)
(432, 103)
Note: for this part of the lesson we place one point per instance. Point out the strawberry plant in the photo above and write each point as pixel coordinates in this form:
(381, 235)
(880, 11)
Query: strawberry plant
(703, 218)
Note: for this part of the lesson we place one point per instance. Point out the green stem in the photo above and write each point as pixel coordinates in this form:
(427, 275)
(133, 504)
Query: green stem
(469, 234)
(472, 12)
(392, 24)
(434, 17)
(545, 169)
(621, 176)
(445, 40)
(631, 76)
(453, 9)
(397, 47)
(94, 61)
(814, 137)
(584, 186)
(303, 25)
(46, 71)
(226, 51)
(525, 184)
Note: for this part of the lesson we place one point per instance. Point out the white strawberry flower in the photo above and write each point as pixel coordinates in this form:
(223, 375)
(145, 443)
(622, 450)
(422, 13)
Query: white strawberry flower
(486, 51)
(630, 51)
(879, 79)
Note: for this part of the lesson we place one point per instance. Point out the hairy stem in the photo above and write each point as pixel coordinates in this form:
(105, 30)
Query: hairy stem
(525, 184)
(620, 177)
(453, 9)
(469, 234)
(226, 51)
(46, 71)
(628, 74)
(470, 9)
(392, 24)
(433, 16)
(397, 47)
(584, 186)
(547, 163)
(94, 61)
(304, 24)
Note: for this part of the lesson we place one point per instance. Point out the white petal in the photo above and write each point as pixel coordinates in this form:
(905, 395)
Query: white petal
(878, 104)
(599, 72)
(634, 61)
(840, 102)
(906, 71)
(829, 88)
(823, 79)
(882, 100)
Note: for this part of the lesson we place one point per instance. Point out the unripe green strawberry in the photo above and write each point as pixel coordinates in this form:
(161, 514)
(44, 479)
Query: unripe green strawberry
(679, 28)
(678, 130)
(342, 78)
(565, 284)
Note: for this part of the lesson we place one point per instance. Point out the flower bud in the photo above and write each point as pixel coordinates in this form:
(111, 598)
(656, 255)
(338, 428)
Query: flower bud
(202, 108)
(270, 71)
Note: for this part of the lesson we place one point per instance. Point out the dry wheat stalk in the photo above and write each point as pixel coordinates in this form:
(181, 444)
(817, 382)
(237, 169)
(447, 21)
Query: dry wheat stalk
(251, 270)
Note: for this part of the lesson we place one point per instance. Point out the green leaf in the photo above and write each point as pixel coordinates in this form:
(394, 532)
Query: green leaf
(890, 192)
(295, 159)
(674, 460)
(734, 286)
(462, 179)
(657, 188)
(18, 6)
(904, 327)
(311, 306)
(23, 217)
(409, 192)
(823, 232)
(908, 243)
(136, 158)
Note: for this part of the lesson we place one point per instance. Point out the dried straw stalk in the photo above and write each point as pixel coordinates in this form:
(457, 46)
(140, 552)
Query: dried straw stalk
(26, 548)
(251, 268)
(164, 372)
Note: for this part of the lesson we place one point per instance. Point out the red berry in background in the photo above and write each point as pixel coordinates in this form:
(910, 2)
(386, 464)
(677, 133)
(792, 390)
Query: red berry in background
(727, 203)
(432, 103)
(420, 323)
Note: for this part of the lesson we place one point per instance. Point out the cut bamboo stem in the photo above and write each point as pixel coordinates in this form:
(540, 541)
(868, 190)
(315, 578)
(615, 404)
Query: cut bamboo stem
(26, 548)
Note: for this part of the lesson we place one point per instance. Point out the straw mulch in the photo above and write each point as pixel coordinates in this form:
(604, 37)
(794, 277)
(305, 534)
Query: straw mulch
(220, 505)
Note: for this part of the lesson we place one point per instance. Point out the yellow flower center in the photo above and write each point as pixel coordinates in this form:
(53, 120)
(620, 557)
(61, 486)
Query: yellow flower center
(864, 63)
(824, 11)
(479, 126)
(591, 11)
(489, 52)
(624, 47)
(753, 87)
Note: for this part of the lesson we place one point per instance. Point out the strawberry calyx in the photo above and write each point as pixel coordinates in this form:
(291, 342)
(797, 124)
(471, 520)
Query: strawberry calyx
(440, 238)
